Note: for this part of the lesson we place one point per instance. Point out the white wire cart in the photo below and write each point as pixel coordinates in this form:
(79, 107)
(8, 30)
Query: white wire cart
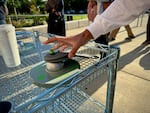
(67, 96)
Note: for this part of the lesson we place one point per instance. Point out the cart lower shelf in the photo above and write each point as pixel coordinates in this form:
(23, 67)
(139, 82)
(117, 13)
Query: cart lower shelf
(74, 101)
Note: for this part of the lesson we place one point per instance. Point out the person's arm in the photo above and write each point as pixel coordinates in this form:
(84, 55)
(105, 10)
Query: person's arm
(59, 8)
(73, 42)
(6, 9)
(119, 13)
(92, 10)
(50, 6)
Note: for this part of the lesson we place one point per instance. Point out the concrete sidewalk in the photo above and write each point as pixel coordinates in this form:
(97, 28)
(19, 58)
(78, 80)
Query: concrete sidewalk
(132, 94)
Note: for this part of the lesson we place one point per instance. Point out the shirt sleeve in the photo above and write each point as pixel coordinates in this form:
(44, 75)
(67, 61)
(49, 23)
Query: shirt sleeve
(119, 13)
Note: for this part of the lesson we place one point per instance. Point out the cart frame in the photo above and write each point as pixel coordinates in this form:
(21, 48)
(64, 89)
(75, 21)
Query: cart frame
(36, 98)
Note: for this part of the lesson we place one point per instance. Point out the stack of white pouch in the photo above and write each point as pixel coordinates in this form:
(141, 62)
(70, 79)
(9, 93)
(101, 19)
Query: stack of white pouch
(8, 45)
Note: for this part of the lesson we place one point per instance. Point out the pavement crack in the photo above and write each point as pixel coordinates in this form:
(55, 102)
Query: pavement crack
(135, 75)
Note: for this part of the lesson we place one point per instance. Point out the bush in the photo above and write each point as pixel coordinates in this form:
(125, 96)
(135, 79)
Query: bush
(27, 22)
(33, 20)
(21, 23)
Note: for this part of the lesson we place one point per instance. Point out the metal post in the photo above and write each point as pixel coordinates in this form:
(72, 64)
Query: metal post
(113, 66)
(15, 11)
(38, 43)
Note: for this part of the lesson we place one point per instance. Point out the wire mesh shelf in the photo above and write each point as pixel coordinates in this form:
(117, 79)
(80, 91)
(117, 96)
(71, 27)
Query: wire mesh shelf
(67, 96)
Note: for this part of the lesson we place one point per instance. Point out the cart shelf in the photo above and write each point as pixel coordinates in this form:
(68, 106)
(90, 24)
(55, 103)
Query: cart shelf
(67, 96)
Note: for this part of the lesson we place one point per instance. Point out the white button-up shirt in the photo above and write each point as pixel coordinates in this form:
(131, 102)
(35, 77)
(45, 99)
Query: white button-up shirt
(119, 13)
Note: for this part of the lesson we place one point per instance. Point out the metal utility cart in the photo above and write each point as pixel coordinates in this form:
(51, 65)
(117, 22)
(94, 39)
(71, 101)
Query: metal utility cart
(66, 96)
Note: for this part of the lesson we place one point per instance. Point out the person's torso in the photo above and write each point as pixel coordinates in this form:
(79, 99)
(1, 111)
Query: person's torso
(2, 2)
(58, 5)
(2, 12)
(104, 4)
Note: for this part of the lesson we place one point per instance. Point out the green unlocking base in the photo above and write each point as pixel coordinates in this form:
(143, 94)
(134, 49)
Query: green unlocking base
(45, 79)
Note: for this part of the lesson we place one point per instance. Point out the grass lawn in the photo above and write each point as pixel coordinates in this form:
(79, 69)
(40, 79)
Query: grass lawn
(78, 17)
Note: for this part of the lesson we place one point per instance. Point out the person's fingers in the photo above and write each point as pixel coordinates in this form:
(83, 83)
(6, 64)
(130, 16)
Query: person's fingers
(58, 45)
(55, 47)
(63, 47)
(73, 52)
(75, 42)
(50, 40)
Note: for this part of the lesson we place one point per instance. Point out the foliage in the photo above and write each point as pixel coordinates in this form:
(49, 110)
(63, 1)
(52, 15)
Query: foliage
(38, 6)
(26, 6)
(32, 7)
(76, 5)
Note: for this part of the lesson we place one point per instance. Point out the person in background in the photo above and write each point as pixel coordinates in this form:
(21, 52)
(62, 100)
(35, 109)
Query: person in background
(113, 34)
(103, 4)
(3, 11)
(119, 13)
(97, 7)
(93, 10)
(147, 41)
(56, 22)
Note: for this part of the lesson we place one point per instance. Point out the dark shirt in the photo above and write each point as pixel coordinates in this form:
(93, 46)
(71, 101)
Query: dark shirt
(2, 13)
(2, 9)
(55, 4)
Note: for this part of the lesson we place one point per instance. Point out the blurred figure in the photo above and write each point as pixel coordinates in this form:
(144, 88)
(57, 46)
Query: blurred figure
(104, 4)
(3, 11)
(56, 22)
(93, 10)
(147, 41)
(97, 7)
(113, 34)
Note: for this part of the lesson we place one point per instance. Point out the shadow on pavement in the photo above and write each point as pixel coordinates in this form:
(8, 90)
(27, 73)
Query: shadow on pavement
(144, 61)
(129, 40)
(129, 57)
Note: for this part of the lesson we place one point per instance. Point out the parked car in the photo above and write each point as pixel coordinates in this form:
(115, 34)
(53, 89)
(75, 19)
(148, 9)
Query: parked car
(70, 12)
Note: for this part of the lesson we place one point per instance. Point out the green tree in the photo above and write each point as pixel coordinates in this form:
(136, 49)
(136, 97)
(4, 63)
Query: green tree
(76, 5)
(21, 6)
(25, 6)
(38, 6)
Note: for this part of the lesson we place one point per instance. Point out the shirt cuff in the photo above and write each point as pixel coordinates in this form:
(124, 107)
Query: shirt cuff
(97, 28)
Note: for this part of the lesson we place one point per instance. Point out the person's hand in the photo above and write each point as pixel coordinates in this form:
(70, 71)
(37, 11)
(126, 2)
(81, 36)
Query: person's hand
(92, 10)
(75, 42)
(6, 9)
